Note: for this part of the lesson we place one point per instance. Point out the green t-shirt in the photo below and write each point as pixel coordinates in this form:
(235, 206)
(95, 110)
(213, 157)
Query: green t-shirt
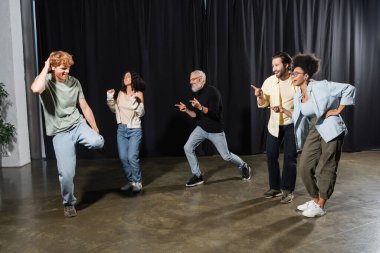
(60, 102)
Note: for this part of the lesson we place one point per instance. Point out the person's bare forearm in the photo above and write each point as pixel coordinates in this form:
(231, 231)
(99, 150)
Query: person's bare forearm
(335, 112)
(38, 86)
(260, 100)
(287, 113)
(190, 113)
(89, 116)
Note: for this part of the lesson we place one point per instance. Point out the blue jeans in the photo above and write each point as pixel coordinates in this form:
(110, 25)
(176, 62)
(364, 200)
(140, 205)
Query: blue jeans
(289, 172)
(219, 141)
(64, 148)
(128, 144)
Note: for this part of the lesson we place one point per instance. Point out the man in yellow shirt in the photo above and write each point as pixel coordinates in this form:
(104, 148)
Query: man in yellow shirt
(278, 90)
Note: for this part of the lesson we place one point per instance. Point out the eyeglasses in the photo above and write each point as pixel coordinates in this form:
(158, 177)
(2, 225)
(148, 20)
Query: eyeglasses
(194, 78)
(295, 74)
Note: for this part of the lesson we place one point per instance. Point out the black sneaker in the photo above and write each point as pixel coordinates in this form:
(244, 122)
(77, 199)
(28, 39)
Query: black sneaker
(194, 181)
(246, 172)
(271, 193)
(69, 211)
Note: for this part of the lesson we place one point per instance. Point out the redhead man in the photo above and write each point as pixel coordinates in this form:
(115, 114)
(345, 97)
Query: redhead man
(60, 95)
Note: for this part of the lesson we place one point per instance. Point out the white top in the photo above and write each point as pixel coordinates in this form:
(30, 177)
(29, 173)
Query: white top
(127, 109)
(307, 109)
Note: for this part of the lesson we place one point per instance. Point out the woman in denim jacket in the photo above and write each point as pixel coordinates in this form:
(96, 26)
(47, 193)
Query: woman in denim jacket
(319, 130)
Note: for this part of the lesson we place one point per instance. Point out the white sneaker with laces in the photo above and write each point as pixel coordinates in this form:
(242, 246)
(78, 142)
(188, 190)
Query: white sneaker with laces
(304, 206)
(126, 187)
(314, 210)
(136, 186)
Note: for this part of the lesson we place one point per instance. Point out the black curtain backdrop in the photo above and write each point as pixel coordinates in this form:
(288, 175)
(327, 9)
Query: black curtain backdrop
(231, 40)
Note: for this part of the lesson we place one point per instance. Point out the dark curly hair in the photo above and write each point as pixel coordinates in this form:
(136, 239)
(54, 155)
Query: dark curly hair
(285, 57)
(307, 62)
(138, 84)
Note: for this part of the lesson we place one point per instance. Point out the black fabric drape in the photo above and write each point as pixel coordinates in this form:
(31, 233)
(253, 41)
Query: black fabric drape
(232, 41)
(243, 35)
(162, 40)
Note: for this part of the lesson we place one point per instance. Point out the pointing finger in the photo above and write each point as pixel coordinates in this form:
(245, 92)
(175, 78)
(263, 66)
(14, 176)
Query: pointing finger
(253, 86)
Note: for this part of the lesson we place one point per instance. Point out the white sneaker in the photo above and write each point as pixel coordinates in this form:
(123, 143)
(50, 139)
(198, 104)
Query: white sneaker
(304, 206)
(136, 186)
(313, 210)
(126, 187)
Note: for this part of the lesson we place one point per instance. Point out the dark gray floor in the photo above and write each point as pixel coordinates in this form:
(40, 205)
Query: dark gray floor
(224, 215)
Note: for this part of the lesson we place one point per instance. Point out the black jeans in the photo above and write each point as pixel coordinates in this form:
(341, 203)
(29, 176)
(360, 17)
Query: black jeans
(289, 173)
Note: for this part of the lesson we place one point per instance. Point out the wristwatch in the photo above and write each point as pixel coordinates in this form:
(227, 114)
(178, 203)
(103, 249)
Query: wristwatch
(201, 109)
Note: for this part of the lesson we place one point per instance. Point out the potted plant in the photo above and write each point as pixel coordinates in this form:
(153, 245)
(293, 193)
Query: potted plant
(7, 130)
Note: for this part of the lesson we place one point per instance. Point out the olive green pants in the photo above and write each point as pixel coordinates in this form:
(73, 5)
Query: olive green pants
(319, 163)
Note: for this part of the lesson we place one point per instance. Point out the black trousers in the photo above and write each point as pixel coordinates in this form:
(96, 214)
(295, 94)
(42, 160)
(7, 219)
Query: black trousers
(287, 180)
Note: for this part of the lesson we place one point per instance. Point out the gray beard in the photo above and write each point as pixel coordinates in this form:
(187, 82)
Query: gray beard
(196, 87)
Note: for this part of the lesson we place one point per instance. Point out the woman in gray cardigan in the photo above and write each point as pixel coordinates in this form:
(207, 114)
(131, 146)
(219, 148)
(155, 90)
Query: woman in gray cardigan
(319, 130)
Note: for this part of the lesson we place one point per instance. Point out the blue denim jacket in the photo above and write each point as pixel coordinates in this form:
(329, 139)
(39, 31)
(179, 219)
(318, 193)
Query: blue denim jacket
(325, 95)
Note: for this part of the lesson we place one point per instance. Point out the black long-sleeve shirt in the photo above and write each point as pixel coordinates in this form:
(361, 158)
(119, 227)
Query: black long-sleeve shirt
(210, 97)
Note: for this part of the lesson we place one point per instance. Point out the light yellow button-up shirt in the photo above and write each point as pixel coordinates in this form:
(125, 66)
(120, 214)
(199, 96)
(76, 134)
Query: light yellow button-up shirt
(277, 92)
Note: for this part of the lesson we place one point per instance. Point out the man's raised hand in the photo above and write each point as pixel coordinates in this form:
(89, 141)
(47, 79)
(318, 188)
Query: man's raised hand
(257, 91)
(195, 103)
(181, 106)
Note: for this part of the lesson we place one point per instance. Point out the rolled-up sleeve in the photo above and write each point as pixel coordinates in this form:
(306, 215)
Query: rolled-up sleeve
(343, 90)
(111, 102)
